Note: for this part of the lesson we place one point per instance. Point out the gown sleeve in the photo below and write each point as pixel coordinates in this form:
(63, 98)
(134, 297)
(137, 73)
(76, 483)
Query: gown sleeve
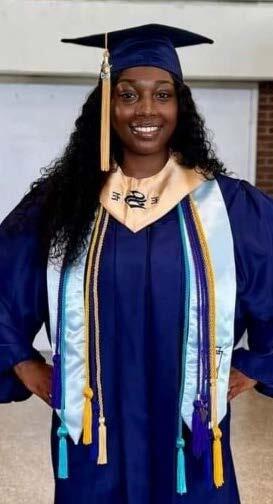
(23, 301)
(252, 224)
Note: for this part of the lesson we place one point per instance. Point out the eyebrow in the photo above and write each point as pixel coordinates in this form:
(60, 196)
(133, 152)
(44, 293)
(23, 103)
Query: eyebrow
(134, 81)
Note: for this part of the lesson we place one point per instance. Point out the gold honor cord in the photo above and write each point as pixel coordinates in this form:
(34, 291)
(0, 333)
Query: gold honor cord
(102, 456)
(217, 446)
(88, 392)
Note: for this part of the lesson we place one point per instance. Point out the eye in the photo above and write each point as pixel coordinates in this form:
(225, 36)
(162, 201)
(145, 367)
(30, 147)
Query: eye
(163, 95)
(128, 96)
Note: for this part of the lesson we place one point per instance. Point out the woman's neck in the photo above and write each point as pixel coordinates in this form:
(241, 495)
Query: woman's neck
(140, 166)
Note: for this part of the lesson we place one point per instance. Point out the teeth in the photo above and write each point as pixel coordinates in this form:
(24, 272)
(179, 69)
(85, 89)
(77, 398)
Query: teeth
(149, 129)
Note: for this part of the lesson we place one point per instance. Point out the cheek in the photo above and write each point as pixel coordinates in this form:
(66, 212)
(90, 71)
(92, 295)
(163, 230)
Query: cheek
(120, 115)
(174, 113)
(171, 117)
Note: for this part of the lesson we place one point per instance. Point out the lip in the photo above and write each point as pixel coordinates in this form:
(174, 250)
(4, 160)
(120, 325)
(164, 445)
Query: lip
(145, 125)
(145, 134)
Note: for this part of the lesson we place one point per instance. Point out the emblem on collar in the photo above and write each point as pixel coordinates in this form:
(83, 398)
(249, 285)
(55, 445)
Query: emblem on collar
(135, 199)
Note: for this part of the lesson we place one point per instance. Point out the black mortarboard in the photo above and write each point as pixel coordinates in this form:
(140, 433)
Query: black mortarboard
(146, 45)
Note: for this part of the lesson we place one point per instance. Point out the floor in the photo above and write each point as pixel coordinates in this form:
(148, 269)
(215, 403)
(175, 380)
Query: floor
(25, 469)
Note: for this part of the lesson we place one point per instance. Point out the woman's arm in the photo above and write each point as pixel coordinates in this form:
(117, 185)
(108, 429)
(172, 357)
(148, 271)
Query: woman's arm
(23, 306)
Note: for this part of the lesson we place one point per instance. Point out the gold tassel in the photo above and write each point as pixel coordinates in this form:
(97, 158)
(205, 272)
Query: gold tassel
(102, 457)
(87, 416)
(218, 473)
(105, 110)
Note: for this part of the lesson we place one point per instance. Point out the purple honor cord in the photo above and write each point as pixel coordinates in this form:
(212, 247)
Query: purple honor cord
(200, 414)
(56, 391)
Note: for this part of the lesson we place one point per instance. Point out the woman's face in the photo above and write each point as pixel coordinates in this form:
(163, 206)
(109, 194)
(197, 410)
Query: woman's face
(144, 109)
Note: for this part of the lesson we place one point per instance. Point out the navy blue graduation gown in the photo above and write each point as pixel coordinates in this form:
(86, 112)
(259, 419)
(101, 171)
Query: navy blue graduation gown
(141, 316)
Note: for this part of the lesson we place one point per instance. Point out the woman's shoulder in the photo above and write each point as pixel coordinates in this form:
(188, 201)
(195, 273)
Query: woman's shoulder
(250, 213)
(25, 217)
(241, 196)
(20, 234)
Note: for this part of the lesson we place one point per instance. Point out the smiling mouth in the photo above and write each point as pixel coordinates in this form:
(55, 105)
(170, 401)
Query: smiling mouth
(145, 131)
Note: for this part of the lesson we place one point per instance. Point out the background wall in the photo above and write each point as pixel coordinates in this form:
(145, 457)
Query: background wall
(30, 31)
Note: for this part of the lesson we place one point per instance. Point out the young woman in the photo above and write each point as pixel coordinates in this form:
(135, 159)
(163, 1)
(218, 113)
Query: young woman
(146, 278)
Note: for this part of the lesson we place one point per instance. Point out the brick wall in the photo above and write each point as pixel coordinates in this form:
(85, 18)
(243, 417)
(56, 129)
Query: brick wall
(264, 174)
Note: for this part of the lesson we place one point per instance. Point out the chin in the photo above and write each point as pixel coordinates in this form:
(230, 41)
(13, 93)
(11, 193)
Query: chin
(146, 149)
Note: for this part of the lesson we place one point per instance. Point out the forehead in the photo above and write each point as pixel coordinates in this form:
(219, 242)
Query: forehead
(146, 74)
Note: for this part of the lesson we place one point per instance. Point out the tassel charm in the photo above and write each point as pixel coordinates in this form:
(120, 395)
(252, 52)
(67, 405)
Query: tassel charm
(87, 416)
(217, 458)
(181, 470)
(63, 462)
(56, 390)
(199, 428)
(105, 110)
(102, 457)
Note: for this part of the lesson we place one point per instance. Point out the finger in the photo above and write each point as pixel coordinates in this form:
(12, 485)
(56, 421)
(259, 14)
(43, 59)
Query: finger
(230, 396)
(234, 379)
(47, 398)
(233, 392)
(233, 386)
(44, 393)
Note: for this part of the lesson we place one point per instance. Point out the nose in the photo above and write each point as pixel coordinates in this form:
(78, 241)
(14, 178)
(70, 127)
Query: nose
(145, 106)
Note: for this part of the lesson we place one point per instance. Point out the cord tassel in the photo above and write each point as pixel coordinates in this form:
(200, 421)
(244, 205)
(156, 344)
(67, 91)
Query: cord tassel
(199, 429)
(102, 458)
(87, 416)
(217, 458)
(63, 462)
(56, 389)
(181, 469)
(105, 110)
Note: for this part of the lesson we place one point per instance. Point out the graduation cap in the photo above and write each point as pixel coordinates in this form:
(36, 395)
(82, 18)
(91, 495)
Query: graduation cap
(146, 45)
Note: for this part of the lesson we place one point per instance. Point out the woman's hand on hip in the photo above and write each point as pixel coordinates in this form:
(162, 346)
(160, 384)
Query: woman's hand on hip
(37, 377)
(238, 383)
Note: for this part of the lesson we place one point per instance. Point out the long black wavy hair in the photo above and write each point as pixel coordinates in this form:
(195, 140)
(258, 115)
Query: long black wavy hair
(68, 190)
